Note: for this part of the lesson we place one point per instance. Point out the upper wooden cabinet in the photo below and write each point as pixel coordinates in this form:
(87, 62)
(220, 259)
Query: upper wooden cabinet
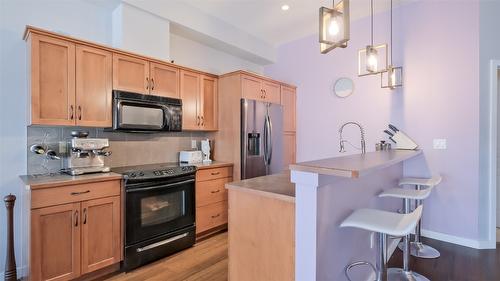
(52, 81)
(288, 100)
(199, 101)
(255, 88)
(164, 80)
(93, 87)
(130, 74)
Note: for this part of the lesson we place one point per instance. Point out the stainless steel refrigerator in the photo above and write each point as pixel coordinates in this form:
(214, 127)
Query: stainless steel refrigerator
(261, 138)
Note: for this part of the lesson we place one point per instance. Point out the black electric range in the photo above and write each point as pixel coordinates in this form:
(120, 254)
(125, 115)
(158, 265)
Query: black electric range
(159, 211)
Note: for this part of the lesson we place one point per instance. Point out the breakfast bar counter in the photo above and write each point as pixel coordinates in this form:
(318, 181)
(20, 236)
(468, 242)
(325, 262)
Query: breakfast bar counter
(329, 190)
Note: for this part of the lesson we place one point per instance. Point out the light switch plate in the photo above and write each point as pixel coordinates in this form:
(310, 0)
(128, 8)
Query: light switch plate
(193, 144)
(439, 143)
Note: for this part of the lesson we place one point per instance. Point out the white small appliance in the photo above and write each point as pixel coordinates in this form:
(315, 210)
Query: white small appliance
(190, 156)
(205, 149)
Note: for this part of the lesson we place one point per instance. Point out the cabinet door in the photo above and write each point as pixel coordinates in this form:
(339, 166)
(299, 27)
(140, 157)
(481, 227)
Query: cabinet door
(190, 92)
(164, 80)
(100, 233)
(52, 81)
(93, 87)
(289, 149)
(130, 74)
(272, 91)
(251, 88)
(208, 103)
(288, 100)
(55, 243)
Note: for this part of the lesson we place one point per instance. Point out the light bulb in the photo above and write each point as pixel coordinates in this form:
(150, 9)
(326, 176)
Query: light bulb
(371, 59)
(392, 78)
(333, 28)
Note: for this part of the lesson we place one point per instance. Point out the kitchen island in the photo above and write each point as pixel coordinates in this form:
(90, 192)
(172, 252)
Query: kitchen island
(327, 191)
(286, 226)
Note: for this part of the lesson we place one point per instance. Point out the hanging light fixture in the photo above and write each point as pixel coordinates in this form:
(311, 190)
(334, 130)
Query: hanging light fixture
(393, 76)
(371, 59)
(334, 27)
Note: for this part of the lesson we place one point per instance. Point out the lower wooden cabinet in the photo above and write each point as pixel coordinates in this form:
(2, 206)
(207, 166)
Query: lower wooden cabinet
(72, 239)
(211, 199)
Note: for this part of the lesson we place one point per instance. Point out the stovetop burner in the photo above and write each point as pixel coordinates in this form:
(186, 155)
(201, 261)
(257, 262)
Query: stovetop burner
(155, 171)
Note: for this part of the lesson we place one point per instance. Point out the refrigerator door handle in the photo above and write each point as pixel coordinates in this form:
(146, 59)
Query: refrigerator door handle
(268, 145)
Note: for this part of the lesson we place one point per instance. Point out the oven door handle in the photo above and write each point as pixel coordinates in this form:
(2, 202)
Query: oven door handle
(159, 186)
(161, 243)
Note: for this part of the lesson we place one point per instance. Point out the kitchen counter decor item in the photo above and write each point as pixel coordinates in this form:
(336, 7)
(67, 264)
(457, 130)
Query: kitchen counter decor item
(343, 87)
(382, 145)
(401, 140)
(10, 260)
(334, 26)
(205, 150)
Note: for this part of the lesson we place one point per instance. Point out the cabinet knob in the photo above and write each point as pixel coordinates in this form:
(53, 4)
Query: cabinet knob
(216, 216)
(85, 216)
(79, 113)
(152, 84)
(202, 121)
(71, 113)
(147, 83)
(76, 218)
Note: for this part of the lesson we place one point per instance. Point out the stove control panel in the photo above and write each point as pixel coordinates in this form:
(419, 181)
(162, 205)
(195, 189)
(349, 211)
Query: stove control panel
(161, 173)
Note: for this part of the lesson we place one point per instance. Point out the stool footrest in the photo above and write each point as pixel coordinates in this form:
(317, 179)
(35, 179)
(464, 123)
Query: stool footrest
(358, 263)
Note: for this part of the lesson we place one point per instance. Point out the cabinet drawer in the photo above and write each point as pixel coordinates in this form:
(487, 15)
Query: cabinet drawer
(210, 216)
(216, 173)
(74, 193)
(208, 192)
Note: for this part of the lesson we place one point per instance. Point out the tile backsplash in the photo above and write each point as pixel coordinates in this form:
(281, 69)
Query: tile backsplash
(127, 148)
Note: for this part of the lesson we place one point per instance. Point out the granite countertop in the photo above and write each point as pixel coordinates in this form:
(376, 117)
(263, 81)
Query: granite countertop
(355, 166)
(276, 186)
(45, 181)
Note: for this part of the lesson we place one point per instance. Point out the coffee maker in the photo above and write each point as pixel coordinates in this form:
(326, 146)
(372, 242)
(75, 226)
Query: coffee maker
(85, 155)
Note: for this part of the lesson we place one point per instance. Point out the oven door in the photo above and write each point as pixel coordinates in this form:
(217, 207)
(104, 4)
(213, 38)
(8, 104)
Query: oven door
(153, 209)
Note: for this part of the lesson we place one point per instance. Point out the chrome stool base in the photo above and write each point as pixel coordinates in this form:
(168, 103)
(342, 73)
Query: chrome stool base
(398, 274)
(419, 250)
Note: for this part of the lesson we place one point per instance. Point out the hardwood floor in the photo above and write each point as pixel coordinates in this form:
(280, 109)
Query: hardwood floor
(456, 263)
(207, 260)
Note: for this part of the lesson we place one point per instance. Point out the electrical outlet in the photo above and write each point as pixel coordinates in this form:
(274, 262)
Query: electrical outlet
(439, 143)
(372, 240)
(193, 144)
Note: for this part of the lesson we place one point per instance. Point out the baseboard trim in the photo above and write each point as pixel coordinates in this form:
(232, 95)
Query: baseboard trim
(466, 242)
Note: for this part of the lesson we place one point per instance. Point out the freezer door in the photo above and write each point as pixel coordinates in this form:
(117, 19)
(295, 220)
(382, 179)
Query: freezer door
(260, 140)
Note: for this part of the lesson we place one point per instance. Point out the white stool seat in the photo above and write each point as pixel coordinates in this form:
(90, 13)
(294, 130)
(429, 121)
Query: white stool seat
(390, 223)
(429, 182)
(404, 193)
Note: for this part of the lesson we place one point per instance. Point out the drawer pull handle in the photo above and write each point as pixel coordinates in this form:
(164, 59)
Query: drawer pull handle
(216, 216)
(215, 191)
(215, 173)
(79, 193)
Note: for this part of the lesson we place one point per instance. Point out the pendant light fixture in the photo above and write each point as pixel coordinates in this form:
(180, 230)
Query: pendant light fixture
(371, 59)
(334, 26)
(393, 76)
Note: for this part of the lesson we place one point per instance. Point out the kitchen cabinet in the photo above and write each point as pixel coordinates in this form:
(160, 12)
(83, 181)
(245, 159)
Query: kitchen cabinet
(164, 80)
(130, 74)
(52, 68)
(211, 199)
(289, 149)
(55, 242)
(75, 229)
(259, 89)
(93, 87)
(100, 233)
(288, 101)
(199, 101)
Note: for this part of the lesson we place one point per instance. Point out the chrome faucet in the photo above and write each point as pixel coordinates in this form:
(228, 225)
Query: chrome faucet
(342, 141)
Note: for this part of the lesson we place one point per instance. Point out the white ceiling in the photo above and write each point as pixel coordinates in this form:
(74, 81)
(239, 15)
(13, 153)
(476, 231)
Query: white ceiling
(265, 19)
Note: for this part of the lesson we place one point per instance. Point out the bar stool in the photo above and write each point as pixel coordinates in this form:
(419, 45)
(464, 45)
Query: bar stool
(385, 223)
(418, 249)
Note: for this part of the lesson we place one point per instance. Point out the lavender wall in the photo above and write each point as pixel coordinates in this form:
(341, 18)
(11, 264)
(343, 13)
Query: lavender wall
(440, 54)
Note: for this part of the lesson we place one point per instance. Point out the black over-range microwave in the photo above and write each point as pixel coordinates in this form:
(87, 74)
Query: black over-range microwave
(146, 113)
